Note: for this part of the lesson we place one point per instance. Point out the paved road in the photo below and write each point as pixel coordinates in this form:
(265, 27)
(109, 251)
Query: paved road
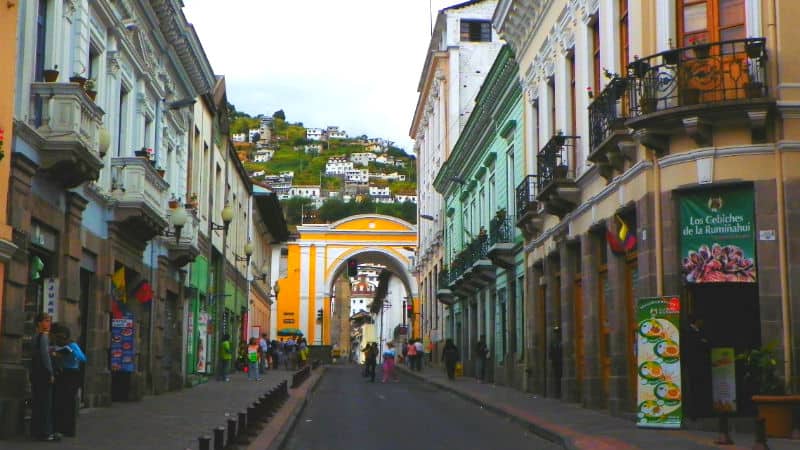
(347, 412)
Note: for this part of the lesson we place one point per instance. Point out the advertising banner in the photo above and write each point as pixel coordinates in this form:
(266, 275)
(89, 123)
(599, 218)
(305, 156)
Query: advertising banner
(659, 366)
(723, 379)
(717, 236)
(122, 344)
(50, 298)
(202, 342)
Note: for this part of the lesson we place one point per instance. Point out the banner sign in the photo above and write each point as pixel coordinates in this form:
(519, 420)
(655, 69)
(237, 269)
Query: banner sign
(723, 379)
(203, 320)
(718, 236)
(659, 366)
(50, 297)
(122, 344)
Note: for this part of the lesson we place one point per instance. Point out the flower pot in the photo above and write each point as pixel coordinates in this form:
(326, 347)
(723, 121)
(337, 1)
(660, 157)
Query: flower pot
(755, 89)
(754, 49)
(141, 153)
(671, 57)
(701, 51)
(191, 205)
(92, 94)
(776, 410)
(161, 172)
(77, 79)
(50, 75)
(173, 204)
(639, 68)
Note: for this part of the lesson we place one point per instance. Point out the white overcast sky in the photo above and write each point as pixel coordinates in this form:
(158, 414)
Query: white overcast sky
(351, 63)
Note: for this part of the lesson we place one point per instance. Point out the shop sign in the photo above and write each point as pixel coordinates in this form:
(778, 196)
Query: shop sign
(202, 341)
(658, 362)
(50, 298)
(723, 380)
(122, 344)
(717, 232)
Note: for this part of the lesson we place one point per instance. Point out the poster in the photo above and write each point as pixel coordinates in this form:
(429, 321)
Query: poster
(122, 344)
(717, 234)
(658, 362)
(202, 342)
(723, 379)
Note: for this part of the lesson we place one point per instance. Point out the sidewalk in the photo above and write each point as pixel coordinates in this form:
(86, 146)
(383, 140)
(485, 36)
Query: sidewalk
(580, 428)
(169, 421)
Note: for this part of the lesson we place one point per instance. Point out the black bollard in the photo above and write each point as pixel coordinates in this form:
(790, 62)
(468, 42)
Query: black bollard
(724, 432)
(205, 442)
(761, 435)
(242, 422)
(252, 421)
(231, 432)
(219, 438)
(795, 423)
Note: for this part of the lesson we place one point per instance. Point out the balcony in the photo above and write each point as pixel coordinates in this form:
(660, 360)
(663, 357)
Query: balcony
(501, 241)
(480, 271)
(185, 249)
(556, 187)
(459, 282)
(690, 89)
(66, 123)
(443, 292)
(141, 194)
(609, 140)
(529, 216)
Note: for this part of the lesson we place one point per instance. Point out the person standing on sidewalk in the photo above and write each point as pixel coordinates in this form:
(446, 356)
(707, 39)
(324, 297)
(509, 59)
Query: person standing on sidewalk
(481, 355)
(252, 360)
(68, 379)
(371, 360)
(389, 356)
(264, 347)
(411, 354)
(42, 378)
(420, 354)
(450, 358)
(225, 357)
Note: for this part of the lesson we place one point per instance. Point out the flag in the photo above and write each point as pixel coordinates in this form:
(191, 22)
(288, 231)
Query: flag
(624, 241)
(118, 290)
(144, 293)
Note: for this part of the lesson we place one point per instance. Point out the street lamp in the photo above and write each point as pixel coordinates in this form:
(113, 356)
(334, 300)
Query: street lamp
(248, 252)
(427, 217)
(177, 220)
(227, 218)
(264, 274)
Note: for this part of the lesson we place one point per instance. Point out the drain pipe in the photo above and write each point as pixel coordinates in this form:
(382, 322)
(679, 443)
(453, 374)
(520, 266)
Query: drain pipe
(659, 229)
(786, 307)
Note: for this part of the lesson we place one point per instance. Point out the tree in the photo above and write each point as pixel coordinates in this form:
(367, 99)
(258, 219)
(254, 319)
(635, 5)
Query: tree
(294, 208)
(279, 114)
(333, 210)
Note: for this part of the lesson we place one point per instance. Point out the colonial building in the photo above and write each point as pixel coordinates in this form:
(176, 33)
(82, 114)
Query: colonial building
(662, 160)
(461, 50)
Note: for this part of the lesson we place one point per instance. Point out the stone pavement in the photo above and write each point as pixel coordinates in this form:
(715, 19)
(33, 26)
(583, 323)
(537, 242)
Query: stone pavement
(580, 428)
(171, 421)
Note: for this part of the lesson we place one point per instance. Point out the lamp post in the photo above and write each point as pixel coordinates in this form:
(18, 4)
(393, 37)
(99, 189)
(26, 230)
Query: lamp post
(177, 220)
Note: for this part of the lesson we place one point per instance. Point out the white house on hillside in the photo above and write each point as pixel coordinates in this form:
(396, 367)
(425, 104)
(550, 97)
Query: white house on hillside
(357, 176)
(335, 133)
(402, 198)
(311, 148)
(314, 134)
(263, 155)
(362, 159)
(307, 191)
(338, 165)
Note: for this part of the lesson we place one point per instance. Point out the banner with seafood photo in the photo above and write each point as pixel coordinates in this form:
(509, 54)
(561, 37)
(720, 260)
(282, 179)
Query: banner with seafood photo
(659, 366)
(718, 236)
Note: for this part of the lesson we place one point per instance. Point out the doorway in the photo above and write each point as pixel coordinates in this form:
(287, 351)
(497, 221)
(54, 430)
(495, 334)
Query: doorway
(731, 318)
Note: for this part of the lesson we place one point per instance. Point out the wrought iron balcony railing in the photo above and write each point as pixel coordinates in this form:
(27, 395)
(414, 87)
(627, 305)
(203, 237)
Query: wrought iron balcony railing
(501, 230)
(526, 195)
(444, 279)
(699, 74)
(608, 111)
(477, 249)
(553, 160)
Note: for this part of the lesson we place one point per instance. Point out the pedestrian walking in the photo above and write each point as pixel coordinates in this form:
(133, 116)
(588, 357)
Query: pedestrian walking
(389, 357)
(481, 357)
(411, 355)
(264, 347)
(68, 359)
(289, 350)
(225, 357)
(450, 358)
(404, 352)
(370, 360)
(556, 354)
(252, 360)
(420, 354)
(42, 378)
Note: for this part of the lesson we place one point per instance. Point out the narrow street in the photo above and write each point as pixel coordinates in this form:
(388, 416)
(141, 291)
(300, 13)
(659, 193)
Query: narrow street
(347, 411)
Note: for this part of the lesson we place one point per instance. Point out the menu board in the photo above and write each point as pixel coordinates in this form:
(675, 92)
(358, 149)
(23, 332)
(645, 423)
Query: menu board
(658, 362)
(122, 344)
(723, 379)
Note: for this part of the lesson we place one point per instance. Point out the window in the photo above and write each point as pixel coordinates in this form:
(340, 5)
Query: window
(476, 31)
(122, 122)
(572, 93)
(595, 29)
(710, 21)
(551, 94)
(624, 50)
(41, 40)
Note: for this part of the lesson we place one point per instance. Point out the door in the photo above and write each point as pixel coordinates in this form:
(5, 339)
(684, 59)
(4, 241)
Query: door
(631, 277)
(579, 341)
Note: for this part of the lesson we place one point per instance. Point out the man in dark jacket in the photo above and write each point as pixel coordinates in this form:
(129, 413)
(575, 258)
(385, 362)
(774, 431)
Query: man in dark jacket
(450, 357)
(42, 377)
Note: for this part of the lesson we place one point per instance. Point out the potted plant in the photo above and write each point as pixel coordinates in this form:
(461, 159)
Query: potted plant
(559, 138)
(670, 56)
(192, 201)
(754, 48)
(174, 202)
(90, 86)
(639, 66)
(161, 171)
(77, 77)
(141, 153)
(761, 378)
(51, 75)
(700, 47)
(501, 214)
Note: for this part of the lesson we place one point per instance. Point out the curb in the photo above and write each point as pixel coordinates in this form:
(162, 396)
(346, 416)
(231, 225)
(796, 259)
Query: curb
(536, 429)
(299, 403)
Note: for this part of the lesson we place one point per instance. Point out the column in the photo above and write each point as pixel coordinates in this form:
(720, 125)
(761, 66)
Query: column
(303, 321)
(592, 388)
(569, 322)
